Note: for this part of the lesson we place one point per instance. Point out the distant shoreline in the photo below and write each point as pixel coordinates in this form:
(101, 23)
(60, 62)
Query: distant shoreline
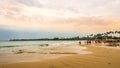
(44, 40)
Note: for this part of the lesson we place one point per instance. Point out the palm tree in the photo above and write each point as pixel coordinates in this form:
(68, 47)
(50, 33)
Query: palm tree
(91, 36)
(119, 34)
(108, 33)
(105, 35)
(116, 31)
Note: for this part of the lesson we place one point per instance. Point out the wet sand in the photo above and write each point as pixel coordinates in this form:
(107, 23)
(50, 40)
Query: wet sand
(101, 57)
(43, 53)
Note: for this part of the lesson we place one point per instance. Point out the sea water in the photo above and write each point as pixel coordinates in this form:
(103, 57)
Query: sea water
(8, 47)
(32, 49)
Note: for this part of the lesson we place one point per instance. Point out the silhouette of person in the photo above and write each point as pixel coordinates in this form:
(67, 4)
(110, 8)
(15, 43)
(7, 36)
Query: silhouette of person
(79, 42)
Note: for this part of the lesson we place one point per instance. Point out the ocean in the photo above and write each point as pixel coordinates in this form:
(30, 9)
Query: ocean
(7, 47)
(27, 51)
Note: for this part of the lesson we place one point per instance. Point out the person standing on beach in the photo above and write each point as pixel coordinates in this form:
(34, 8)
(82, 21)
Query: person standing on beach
(88, 42)
(79, 42)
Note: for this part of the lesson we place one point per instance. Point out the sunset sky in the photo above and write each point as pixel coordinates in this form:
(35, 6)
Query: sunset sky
(57, 18)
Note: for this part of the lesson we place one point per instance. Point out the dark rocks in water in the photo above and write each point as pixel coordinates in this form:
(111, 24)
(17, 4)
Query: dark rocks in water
(23, 51)
(6, 46)
(19, 52)
(47, 45)
(43, 45)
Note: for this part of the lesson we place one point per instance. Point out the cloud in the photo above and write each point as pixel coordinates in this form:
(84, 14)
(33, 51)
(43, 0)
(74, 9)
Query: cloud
(60, 15)
(30, 3)
(64, 8)
(84, 24)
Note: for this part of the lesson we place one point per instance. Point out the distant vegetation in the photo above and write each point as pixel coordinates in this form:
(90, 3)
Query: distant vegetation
(101, 36)
(106, 35)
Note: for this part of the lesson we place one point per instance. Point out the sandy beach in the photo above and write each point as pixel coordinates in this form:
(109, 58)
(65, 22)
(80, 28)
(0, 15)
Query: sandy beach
(101, 57)
(59, 33)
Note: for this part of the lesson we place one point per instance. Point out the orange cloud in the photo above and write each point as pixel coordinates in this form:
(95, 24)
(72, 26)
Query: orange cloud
(82, 24)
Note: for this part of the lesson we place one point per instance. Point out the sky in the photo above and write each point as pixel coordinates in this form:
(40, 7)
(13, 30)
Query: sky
(57, 18)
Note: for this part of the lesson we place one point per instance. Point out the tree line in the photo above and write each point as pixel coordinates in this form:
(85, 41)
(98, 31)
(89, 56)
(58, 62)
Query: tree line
(106, 35)
(101, 36)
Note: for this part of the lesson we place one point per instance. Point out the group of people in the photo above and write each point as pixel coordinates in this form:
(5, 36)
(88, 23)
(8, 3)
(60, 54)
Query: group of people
(87, 42)
(101, 42)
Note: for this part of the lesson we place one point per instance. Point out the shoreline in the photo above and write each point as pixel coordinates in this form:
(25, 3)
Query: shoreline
(101, 57)
(44, 53)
